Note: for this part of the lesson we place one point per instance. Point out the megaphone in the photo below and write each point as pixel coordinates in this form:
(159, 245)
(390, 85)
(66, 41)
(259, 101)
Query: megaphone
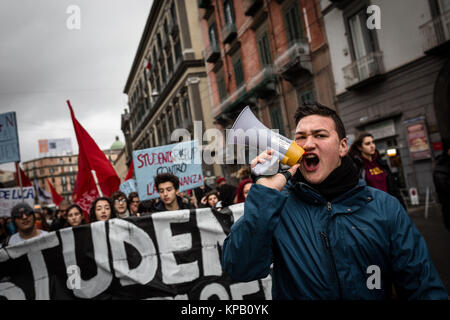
(249, 131)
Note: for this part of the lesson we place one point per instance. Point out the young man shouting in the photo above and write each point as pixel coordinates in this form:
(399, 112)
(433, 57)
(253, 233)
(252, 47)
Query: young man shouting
(328, 235)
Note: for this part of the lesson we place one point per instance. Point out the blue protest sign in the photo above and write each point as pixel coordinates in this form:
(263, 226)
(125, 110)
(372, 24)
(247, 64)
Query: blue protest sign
(181, 159)
(9, 138)
(128, 186)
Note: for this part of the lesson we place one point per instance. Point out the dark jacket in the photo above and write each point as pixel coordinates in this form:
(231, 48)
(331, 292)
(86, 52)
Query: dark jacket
(326, 250)
(441, 178)
(161, 207)
(392, 185)
(227, 192)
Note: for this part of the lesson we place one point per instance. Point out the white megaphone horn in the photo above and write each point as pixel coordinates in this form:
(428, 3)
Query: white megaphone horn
(248, 130)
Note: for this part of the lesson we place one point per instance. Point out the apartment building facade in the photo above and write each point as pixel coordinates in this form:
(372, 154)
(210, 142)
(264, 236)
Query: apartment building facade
(167, 86)
(270, 55)
(393, 81)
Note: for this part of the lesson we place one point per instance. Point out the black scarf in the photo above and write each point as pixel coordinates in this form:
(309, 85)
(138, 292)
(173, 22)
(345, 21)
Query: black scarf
(342, 179)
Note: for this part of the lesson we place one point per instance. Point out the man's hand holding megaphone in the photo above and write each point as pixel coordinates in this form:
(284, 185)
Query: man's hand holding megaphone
(277, 181)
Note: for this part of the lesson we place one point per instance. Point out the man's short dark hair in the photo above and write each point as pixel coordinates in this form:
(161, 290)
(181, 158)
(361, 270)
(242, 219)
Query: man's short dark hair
(117, 195)
(165, 177)
(20, 209)
(309, 109)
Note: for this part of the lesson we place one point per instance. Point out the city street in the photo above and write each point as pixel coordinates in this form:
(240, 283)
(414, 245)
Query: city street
(437, 238)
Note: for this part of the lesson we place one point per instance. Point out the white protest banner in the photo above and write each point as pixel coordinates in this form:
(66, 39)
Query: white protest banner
(9, 197)
(9, 138)
(172, 255)
(181, 159)
(128, 186)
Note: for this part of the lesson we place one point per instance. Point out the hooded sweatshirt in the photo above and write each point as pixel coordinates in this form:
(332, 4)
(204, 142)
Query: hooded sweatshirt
(375, 176)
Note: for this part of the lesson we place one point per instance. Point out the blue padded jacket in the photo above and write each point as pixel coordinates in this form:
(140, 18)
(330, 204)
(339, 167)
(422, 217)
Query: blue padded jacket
(354, 247)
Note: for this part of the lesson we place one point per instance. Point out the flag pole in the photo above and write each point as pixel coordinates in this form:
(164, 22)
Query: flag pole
(96, 183)
(19, 175)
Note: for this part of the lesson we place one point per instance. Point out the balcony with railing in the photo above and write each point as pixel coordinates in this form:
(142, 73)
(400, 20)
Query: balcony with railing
(295, 61)
(207, 7)
(212, 53)
(264, 84)
(229, 32)
(204, 3)
(436, 32)
(365, 70)
(252, 6)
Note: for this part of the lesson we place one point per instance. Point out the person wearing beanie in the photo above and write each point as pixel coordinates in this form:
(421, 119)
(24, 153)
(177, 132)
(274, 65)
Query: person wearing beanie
(25, 222)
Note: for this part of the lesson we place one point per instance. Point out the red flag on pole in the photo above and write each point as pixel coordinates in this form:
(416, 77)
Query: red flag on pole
(57, 198)
(92, 165)
(130, 172)
(25, 181)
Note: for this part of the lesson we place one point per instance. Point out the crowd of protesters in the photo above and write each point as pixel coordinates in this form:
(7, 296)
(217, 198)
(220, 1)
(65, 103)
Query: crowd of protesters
(27, 222)
(285, 224)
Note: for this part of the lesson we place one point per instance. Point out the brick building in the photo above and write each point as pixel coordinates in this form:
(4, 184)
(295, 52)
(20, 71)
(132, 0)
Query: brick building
(271, 55)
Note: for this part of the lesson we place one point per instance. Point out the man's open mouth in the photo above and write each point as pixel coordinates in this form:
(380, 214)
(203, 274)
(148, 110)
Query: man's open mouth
(311, 162)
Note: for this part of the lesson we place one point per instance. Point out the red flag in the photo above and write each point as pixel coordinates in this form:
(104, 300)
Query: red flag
(25, 181)
(55, 195)
(130, 172)
(90, 157)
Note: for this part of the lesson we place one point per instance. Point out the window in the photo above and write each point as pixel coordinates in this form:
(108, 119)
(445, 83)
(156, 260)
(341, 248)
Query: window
(169, 63)
(277, 121)
(361, 37)
(293, 22)
(158, 39)
(173, 12)
(228, 12)
(238, 72)
(187, 109)
(177, 117)
(153, 138)
(307, 97)
(264, 50)
(160, 137)
(164, 130)
(177, 49)
(170, 119)
(221, 87)
(213, 35)
(166, 29)
(163, 74)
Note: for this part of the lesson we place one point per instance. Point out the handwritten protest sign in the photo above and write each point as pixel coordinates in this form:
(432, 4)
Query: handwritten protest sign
(128, 187)
(9, 197)
(181, 159)
(9, 139)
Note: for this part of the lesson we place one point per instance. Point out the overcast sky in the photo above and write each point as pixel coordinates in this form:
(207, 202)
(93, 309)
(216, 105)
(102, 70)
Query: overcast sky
(43, 63)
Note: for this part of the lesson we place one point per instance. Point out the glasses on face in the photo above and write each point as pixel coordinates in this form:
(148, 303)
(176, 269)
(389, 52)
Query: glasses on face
(20, 214)
(120, 201)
